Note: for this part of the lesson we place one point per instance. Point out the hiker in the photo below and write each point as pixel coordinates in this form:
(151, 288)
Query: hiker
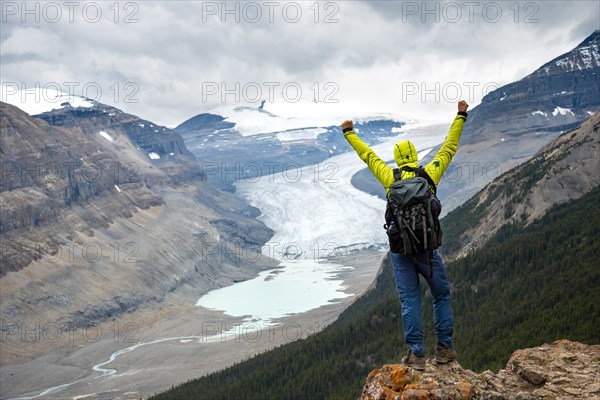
(429, 264)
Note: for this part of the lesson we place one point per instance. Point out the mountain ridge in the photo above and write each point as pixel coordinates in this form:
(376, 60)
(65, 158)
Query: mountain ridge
(246, 136)
(93, 229)
(587, 53)
(515, 121)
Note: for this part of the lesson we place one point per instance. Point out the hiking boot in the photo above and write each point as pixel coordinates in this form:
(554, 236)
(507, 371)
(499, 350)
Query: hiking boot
(414, 361)
(444, 354)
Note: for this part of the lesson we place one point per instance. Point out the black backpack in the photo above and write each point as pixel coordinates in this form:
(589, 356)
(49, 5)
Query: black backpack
(412, 214)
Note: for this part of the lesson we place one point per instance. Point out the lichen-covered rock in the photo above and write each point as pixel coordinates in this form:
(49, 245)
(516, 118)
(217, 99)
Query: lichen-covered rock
(562, 370)
(402, 382)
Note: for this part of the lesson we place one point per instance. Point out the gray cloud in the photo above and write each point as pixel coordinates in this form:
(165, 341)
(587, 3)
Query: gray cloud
(367, 48)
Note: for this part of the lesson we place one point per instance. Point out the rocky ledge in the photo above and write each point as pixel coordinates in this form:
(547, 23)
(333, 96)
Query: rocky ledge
(562, 370)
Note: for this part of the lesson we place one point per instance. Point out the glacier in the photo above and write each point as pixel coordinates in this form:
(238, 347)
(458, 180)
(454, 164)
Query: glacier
(316, 214)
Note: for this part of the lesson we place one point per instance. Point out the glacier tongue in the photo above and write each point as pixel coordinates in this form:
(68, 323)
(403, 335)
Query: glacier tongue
(316, 212)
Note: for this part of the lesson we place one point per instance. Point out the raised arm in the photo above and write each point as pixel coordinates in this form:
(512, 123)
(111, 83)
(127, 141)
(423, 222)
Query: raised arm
(435, 169)
(383, 172)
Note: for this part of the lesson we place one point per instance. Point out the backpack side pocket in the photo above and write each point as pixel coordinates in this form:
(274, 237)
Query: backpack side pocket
(394, 237)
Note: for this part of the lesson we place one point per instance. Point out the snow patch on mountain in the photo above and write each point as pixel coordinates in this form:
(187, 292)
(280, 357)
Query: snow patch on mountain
(590, 56)
(561, 111)
(106, 136)
(371, 117)
(586, 58)
(40, 100)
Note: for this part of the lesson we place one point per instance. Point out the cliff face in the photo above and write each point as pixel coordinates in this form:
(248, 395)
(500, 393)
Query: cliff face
(47, 169)
(562, 370)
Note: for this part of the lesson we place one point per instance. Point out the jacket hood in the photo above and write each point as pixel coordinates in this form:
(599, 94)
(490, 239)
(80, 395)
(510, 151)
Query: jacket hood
(406, 154)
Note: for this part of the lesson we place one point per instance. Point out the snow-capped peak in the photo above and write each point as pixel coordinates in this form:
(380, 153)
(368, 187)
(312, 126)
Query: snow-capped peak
(40, 100)
(583, 57)
(252, 120)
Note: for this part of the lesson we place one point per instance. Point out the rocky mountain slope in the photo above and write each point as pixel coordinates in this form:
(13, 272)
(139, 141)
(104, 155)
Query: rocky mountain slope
(160, 145)
(46, 169)
(516, 120)
(563, 170)
(561, 370)
(94, 226)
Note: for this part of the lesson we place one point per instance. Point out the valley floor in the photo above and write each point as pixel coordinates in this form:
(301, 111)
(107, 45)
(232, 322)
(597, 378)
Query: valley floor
(167, 344)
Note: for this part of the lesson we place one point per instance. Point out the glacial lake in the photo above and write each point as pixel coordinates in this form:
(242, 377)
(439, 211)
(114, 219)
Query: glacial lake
(296, 287)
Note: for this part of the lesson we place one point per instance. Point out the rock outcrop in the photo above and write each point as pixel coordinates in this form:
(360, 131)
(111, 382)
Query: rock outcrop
(562, 370)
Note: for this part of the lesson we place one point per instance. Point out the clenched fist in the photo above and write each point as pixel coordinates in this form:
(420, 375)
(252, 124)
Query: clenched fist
(462, 106)
(347, 124)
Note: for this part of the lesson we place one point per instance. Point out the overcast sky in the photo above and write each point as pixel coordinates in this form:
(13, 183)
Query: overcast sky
(168, 61)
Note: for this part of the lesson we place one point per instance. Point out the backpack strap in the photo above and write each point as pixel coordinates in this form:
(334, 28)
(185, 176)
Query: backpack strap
(420, 172)
(397, 174)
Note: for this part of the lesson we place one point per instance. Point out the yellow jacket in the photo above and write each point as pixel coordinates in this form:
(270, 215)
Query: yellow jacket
(406, 154)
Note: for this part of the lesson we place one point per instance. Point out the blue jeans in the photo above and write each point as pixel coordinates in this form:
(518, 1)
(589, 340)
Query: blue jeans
(406, 272)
